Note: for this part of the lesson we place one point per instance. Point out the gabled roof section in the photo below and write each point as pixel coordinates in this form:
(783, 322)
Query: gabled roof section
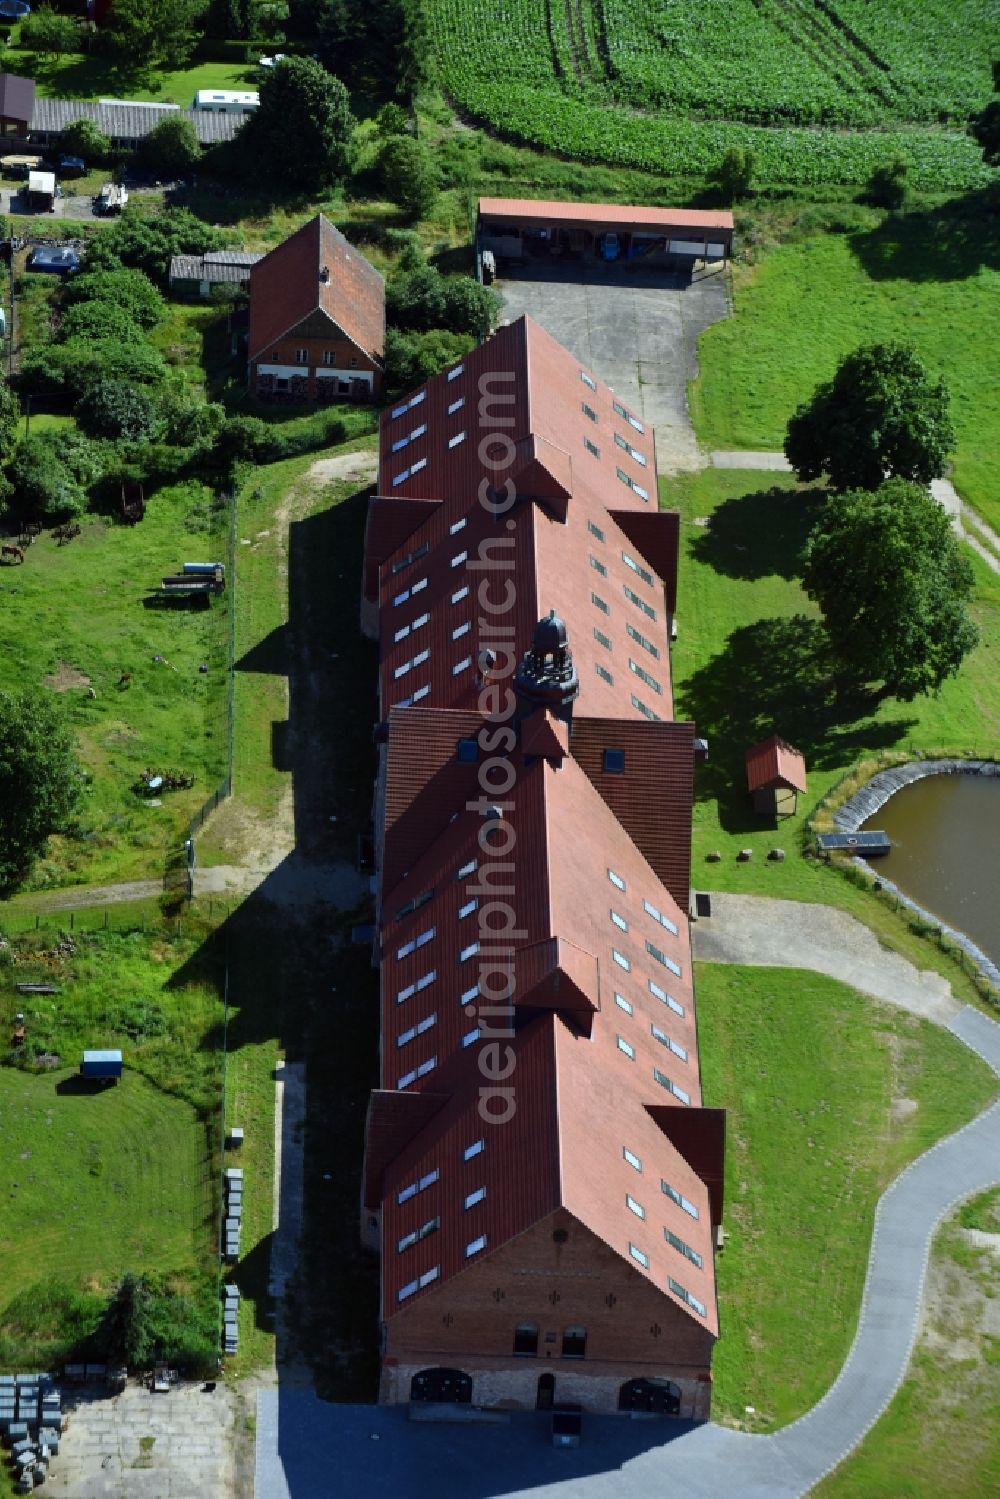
(649, 785)
(317, 270)
(775, 762)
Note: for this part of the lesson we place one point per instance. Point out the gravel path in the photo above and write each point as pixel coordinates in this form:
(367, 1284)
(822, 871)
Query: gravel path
(795, 934)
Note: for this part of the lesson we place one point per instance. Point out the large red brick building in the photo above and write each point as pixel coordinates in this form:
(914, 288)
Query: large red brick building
(317, 319)
(542, 1179)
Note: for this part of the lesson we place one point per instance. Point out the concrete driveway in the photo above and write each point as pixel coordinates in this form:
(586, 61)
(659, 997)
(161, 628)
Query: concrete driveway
(637, 329)
(138, 1445)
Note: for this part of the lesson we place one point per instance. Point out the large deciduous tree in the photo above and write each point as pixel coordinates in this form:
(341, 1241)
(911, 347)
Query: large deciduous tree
(39, 781)
(887, 574)
(881, 416)
(301, 132)
(148, 34)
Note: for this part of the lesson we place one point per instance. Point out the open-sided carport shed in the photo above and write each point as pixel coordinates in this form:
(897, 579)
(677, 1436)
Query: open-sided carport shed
(526, 228)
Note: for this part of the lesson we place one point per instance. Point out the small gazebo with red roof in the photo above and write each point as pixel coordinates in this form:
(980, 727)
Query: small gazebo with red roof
(776, 773)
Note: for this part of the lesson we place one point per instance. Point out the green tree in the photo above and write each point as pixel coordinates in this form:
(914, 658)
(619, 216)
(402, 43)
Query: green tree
(423, 299)
(44, 487)
(48, 31)
(39, 780)
(412, 358)
(734, 174)
(301, 133)
(116, 409)
(886, 186)
(880, 416)
(409, 175)
(150, 34)
(10, 416)
(84, 138)
(99, 319)
(985, 126)
(885, 569)
(172, 147)
(130, 290)
(127, 1330)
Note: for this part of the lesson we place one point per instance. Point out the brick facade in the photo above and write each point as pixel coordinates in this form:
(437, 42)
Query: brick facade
(632, 1330)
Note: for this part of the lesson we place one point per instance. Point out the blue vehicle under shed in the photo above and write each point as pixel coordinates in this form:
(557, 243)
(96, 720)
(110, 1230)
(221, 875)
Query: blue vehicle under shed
(106, 1066)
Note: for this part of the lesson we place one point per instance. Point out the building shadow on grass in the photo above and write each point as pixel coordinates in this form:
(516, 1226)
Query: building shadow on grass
(775, 676)
(948, 243)
(295, 981)
(761, 534)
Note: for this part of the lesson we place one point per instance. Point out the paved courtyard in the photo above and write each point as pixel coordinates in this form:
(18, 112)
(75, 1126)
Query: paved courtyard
(137, 1445)
(637, 329)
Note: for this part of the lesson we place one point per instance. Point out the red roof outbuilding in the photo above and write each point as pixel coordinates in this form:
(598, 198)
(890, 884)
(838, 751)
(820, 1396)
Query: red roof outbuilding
(775, 762)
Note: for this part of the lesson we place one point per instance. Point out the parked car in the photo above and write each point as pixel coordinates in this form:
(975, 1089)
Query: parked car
(71, 166)
(610, 246)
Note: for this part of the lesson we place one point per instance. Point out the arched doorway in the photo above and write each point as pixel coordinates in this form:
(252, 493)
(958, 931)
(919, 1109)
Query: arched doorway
(546, 1395)
(657, 1396)
(442, 1387)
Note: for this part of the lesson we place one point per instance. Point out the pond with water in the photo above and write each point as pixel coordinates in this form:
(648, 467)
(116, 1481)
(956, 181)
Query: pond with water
(945, 835)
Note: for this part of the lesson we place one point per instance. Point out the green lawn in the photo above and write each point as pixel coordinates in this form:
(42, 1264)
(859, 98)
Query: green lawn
(941, 1434)
(75, 75)
(809, 1072)
(748, 662)
(95, 1183)
(930, 277)
(82, 614)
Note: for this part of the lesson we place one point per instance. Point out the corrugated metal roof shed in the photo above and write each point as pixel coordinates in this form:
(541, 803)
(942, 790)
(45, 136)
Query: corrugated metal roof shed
(128, 121)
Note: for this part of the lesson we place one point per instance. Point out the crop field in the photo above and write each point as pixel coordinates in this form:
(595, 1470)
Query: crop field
(667, 86)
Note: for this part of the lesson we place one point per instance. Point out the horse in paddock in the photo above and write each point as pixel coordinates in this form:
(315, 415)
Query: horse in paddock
(66, 532)
(15, 553)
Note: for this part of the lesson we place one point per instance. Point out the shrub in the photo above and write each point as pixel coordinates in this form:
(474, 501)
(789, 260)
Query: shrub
(100, 319)
(408, 175)
(117, 409)
(172, 147)
(423, 299)
(412, 358)
(84, 138)
(44, 487)
(128, 289)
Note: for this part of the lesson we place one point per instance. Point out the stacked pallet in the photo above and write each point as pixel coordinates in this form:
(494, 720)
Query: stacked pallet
(230, 1317)
(233, 1217)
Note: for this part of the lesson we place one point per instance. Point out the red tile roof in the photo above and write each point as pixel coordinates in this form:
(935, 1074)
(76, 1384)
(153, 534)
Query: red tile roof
(580, 539)
(286, 287)
(775, 762)
(612, 215)
(588, 957)
(580, 935)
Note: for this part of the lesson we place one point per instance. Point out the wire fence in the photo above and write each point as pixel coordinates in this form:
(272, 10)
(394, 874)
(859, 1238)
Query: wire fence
(225, 787)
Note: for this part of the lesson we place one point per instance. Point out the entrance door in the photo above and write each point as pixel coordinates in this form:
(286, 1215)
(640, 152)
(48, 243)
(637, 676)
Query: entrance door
(442, 1386)
(656, 1396)
(546, 1392)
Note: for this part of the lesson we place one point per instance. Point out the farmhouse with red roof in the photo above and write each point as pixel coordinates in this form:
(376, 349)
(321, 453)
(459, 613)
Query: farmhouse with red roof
(317, 319)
